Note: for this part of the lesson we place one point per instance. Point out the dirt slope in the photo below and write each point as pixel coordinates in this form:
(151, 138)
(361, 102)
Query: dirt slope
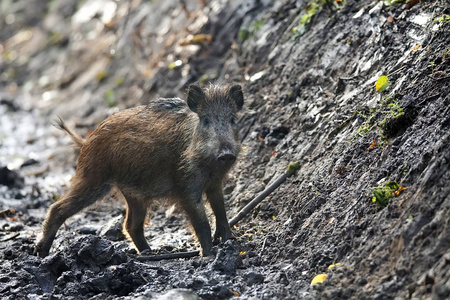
(309, 71)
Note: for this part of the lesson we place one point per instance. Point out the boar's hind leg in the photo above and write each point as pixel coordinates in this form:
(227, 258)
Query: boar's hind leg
(215, 198)
(81, 194)
(197, 215)
(134, 220)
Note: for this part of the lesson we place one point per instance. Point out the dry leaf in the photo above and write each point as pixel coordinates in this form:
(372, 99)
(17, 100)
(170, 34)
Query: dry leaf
(319, 279)
(397, 192)
(196, 39)
(374, 143)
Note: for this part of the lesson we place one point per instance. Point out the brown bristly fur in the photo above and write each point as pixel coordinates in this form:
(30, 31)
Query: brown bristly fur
(168, 149)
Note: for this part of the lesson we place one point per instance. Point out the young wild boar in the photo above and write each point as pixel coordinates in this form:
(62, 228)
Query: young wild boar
(166, 149)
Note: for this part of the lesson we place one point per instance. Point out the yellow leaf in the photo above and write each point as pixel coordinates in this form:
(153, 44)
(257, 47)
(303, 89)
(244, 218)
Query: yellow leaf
(332, 266)
(319, 279)
(242, 252)
(196, 39)
(101, 75)
(382, 83)
(175, 64)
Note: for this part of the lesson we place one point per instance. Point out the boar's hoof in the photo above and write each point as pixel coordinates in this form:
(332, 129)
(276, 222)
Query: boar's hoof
(38, 251)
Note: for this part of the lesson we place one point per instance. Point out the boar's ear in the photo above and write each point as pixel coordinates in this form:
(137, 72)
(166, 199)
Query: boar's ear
(195, 97)
(236, 95)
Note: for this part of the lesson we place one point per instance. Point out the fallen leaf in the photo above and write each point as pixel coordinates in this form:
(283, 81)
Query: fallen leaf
(273, 152)
(397, 192)
(333, 265)
(374, 143)
(319, 279)
(382, 83)
(260, 139)
(196, 39)
(415, 48)
(390, 19)
(101, 75)
(242, 252)
(175, 64)
(340, 170)
(236, 294)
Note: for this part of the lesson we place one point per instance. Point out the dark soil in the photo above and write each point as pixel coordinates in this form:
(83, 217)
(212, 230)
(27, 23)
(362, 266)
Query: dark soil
(310, 98)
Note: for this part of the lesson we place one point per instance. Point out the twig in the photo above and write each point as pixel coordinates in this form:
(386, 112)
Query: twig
(263, 245)
(7, 212)
(293, 167)
(168, 256)
(11, 237)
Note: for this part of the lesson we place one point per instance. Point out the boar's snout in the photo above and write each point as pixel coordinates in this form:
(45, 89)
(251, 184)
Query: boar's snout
(226, 157)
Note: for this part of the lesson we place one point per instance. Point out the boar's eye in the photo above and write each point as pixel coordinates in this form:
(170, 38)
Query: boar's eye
(233, 121)
(206, 121)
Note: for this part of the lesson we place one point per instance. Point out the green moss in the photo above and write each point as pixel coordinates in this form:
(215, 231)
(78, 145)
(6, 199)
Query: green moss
(382, 194)
(247, 32)
(369, 121)
(443, 19)
(392, 117)
(110, 98)
(389, 117)
(293, 167)
(312, 9)
(119, 80)
(101, 75)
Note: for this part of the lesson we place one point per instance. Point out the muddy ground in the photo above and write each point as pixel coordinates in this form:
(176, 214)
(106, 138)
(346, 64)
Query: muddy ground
(309, 71)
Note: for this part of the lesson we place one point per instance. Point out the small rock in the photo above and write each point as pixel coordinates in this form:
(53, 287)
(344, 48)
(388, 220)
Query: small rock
(253, 278)
(11, 179)
(179, 294)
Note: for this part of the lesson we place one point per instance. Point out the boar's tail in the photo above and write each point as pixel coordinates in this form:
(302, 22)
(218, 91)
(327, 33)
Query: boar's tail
(76, 138)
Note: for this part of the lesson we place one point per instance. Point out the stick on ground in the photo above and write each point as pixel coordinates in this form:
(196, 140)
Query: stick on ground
(168, 256)
(293, 167)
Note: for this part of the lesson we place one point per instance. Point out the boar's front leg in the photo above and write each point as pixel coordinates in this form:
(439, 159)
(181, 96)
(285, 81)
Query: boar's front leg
(215, 197)
(195, 210)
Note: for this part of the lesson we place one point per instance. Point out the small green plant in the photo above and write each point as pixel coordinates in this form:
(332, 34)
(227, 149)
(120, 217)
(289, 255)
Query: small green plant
(431, 64)
(443, 19)
(391, 2)
(369, 121)
(110, 98)
(247, 32)
(312, 8)
(382, 194)
(394, 113)
(311, 11)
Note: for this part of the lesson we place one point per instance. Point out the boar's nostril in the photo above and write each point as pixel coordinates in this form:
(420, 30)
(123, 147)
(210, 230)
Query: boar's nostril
(227, 157)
